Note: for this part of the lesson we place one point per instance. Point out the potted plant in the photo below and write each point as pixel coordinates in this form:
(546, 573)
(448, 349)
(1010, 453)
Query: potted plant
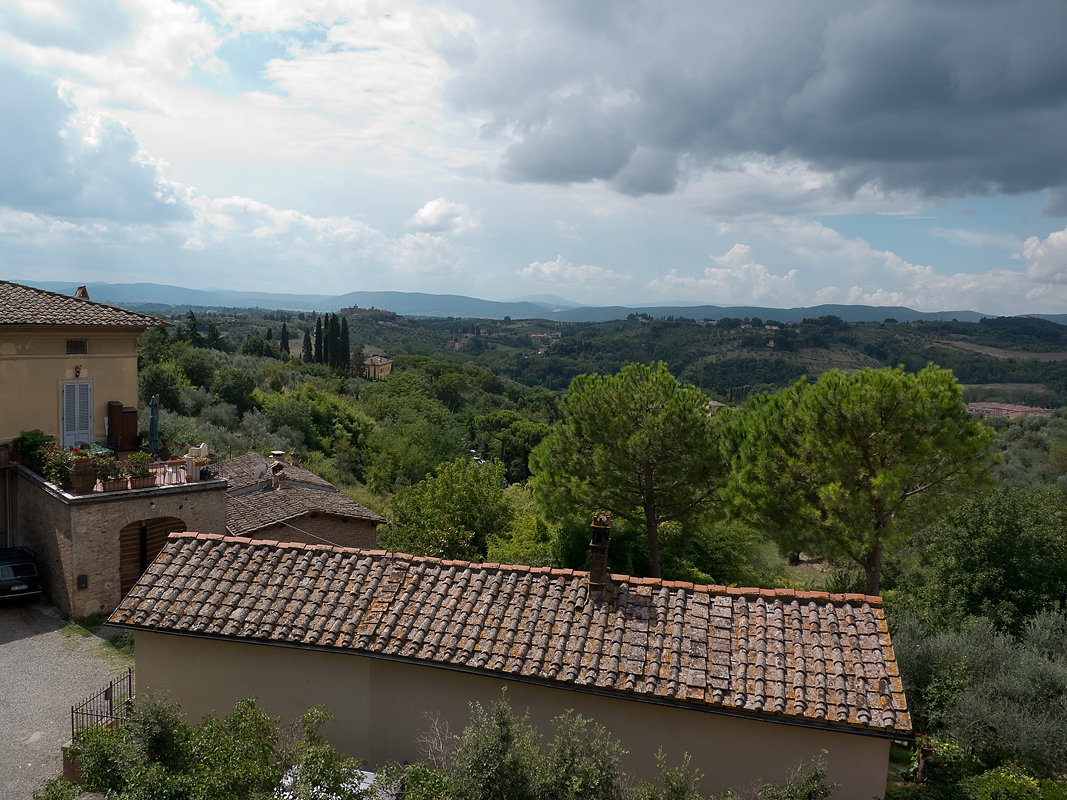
(138, 465)
(82, 471)
(28, 446)
(111, 473)
(56, 464)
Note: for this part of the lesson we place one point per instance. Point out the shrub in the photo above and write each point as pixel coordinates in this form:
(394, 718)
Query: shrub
(28, 444)
(138, 464)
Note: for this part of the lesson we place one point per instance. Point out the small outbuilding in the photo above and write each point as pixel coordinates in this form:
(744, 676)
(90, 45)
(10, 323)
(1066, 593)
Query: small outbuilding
(752, 683)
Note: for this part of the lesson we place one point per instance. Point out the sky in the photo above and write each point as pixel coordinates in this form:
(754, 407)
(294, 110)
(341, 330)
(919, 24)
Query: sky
(629, 152)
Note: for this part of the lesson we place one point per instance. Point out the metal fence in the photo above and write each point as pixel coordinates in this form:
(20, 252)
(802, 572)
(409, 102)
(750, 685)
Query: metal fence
(105, 709)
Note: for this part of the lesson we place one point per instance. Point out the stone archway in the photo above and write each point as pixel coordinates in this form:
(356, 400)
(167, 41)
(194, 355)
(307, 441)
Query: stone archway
(139, 543)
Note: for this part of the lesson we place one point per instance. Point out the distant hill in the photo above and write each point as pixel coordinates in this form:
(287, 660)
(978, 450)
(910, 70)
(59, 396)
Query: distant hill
(420, 304)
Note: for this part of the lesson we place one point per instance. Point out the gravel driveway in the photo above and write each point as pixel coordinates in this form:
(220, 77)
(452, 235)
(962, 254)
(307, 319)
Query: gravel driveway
(44, 671)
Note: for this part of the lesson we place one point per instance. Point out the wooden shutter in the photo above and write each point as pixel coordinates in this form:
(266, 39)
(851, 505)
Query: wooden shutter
(77, 413)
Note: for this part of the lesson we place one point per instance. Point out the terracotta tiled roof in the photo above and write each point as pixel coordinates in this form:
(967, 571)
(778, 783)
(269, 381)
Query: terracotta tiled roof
(250, 512)
(25, 305)
(241, 472)
(802, 657)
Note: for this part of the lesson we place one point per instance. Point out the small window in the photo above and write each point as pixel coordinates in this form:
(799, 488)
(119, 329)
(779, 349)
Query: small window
(76, 347)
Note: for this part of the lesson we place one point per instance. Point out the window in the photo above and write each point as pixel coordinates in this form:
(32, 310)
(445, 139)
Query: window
(77, 347)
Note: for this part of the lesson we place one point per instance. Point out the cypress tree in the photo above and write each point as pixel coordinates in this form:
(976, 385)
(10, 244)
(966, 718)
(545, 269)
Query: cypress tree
(346, 346)
(327, 343)
(335, 342)
(308, 354)
(283, 342)
(318, 340)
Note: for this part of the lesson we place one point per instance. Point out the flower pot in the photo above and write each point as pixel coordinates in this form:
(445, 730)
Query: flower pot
(146, 482)
(83, 477)
(115, 485)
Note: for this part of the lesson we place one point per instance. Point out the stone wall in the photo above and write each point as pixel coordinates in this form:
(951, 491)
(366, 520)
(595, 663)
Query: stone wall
(78, 535)
(323, 529)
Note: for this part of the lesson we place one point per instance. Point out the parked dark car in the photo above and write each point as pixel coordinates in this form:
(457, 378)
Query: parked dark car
(20, 576)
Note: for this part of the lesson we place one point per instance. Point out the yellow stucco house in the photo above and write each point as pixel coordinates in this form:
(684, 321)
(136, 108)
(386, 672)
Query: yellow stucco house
(68, 366)
(752, 683)
(63, 360)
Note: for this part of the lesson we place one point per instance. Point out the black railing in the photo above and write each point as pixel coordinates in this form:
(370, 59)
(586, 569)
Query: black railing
(105, 709)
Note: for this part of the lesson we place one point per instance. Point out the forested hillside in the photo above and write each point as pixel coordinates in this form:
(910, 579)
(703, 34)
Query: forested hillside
(826, 470)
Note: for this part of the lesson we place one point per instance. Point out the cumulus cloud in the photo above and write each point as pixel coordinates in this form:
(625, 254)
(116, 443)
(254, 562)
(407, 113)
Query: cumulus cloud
(736, 279)
(1046, 259)
(561, 273)
(913, 96)
(62, 164)
(443, 216)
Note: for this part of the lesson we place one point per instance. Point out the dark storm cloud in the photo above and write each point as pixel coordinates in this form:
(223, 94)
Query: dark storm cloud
(941, 97)
(47, 167)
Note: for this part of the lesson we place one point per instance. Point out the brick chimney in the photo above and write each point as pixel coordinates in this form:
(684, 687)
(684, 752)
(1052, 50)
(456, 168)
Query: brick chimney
(598, 555)
(82, 293)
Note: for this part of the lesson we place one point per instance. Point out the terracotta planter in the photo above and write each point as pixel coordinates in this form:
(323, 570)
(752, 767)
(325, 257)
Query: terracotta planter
(116, 485)
(146, 482)
(83, 477)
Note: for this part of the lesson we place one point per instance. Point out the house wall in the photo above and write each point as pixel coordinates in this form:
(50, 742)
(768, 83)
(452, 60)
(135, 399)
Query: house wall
(34, 363)
(381, 706)
(323, 527)
(79, 535)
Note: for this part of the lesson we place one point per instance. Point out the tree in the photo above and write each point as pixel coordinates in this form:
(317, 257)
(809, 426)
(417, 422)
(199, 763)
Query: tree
(453, 513)
(1001, 555)
(318, 340)
(283, 343)
(835, 466)
(638, 444)
(346, 346)
(307, 354)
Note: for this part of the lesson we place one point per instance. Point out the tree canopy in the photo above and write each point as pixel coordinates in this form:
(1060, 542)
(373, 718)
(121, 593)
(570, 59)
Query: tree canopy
(832, 467)
(638, 443)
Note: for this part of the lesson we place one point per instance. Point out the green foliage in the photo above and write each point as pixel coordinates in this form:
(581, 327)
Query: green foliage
(678, 782)
(138, 464)
(638, 444)
(833, 467)
(55, 462)
(58, 789)
(453, 513)
(808, 783)
(583, 761)
(999, 554)
(323, 772)
(28, 444)
(498, 757)
(107, 758)
(157, 755)
(163, 378)
(234, 385)
(197, 366)
(1003, 698)
(529, 540)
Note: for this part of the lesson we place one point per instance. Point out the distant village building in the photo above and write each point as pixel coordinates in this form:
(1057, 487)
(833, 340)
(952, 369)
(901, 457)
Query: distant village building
(377, 368)
(355, 312)
(1006, 411)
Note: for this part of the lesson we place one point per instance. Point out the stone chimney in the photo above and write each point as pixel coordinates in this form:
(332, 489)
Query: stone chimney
(277, 473)
(598, 556)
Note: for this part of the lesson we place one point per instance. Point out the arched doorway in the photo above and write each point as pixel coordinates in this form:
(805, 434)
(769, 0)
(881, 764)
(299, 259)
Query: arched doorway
(139, 543)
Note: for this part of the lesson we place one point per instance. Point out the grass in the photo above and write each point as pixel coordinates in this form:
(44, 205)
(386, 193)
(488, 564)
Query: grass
(117, 644)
